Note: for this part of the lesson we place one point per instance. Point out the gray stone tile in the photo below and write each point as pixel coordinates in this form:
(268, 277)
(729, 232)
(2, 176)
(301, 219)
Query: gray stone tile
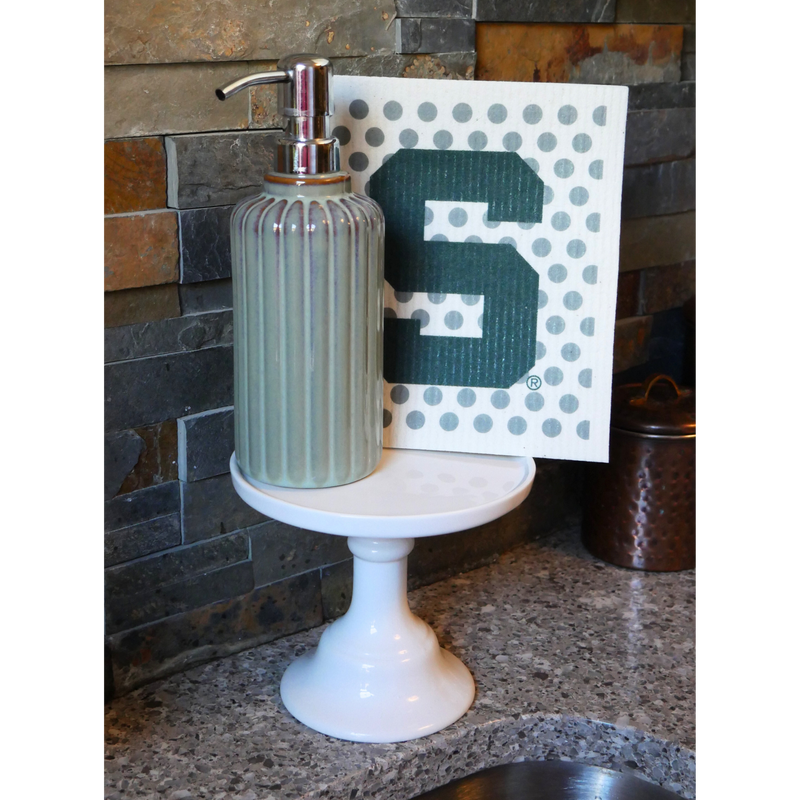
(664, 134)
(150, 390)
(205, 243)
(143, 539)
(429, 35)
(150, 31)
(337, 588)
(142, 505)
(657, 241)
(212, 508)
(205, 444)
(217, 169)
(127, 611)
(175, 565)
(656, 189)
(688, 67)
(176, 335)
(544, 10)
(121, 452)
(661, 95)
(197, 298)
(226, 627)
(434, 8)
(279, 550)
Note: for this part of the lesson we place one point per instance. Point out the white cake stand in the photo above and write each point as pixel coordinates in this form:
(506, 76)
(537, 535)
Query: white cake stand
(378, 673)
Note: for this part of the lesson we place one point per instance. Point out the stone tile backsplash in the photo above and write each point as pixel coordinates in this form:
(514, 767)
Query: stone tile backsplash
(192, 572)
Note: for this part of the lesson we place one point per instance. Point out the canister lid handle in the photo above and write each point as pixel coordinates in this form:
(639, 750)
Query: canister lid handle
(641, 398)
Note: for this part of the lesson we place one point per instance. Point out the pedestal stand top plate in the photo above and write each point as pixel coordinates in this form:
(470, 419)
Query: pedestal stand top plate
(411, 493)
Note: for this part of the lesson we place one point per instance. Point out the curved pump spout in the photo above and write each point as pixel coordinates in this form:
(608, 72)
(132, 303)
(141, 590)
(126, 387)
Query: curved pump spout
(305, 97)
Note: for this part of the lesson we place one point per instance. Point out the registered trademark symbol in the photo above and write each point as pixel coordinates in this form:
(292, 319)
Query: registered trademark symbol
(534, 382)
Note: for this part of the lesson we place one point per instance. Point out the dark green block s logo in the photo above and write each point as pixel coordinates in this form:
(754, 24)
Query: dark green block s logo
(508, 283)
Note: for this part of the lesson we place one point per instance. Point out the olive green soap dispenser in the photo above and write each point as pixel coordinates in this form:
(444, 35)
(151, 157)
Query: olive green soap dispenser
(307, 260)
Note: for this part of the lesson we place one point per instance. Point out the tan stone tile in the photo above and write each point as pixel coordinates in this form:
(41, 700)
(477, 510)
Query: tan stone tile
(141, 250)
(135, 175)
(149, 304)
(618, 54)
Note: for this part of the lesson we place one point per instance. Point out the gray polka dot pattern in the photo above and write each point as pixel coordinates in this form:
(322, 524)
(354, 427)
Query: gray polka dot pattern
(432, 396)
(448, 421)
(543, 298)
(551, 428)
(453, 320)
(567, 115)
(497, 113)
(555, 325)
(587, 326)
(568, 403)
(402, 297)
(593, 222)
(590, 274)
(415, 420)
(582, 143)
(436, 297)
(563, 168)
(342, 134)
(358, 161)
(547, 142)
(582, 429)
(482, 423)
(578, 196)
(525, 226)
(585, 378)
(541, 351)
(560, 220)
(509, 240)
(439, 237)
(553, 376)
(470, 299)
(393, 111)
(466, 398)
(399, 394)
(533, 164)
(442, 139)
(532, 114)
(358, 109)
(429, 215)
(488, 222)
(387, 418)
(596, 169)
(548, 196)
(458, 217)
(541, 248)
(480, 321)
(389, 313)
(573, 301)
(576, 249)
(477, 140)
(557, 273)
(517, 426)
(534, 401)
(427, 112)
(500, 398)
(599, 115)
(462, 112)
(570, 352)
(408, 138)
(474, 239)
(374, 137)
(423, 316)
(512, 141)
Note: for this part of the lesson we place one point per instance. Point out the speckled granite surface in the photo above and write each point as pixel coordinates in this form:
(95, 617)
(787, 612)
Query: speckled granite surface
(572, 658)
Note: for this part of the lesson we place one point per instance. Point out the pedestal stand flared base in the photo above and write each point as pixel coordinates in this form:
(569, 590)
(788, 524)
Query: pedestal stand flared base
(378, 673)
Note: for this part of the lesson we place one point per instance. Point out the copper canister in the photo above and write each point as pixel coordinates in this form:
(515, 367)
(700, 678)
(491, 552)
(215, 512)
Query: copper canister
(639, 509)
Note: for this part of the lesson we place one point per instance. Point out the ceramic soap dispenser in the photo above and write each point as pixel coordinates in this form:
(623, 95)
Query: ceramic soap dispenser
(307, 257)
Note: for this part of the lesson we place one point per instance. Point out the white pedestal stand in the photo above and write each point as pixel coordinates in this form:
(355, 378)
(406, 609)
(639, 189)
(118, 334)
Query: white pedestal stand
(378, 673)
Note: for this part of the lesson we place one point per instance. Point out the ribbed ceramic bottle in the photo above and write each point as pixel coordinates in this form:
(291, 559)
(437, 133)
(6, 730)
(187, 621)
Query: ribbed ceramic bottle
(308, 332)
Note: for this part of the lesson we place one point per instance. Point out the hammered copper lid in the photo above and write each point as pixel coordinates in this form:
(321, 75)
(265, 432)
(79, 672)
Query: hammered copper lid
(657, 406)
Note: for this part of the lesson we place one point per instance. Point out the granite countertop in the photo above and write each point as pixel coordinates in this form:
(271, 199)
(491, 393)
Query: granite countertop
(572, 658)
